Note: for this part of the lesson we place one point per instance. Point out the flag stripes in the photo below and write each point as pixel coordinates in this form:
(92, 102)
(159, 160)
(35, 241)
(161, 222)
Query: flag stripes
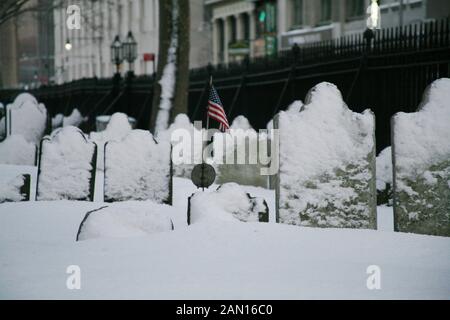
(216, 110)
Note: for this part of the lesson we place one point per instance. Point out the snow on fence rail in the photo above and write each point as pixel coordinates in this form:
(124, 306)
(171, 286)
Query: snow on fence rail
(138, 168)
(327, 164)
(421, 156)
(66, 166)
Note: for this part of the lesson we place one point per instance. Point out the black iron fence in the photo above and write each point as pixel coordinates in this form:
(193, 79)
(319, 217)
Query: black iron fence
(386, 71)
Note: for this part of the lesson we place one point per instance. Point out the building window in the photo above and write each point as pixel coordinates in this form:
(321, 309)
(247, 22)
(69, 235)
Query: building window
(221, 39)
(325, 11)
(246, 26)
(297, 13)
(233, 30)
(355, 8)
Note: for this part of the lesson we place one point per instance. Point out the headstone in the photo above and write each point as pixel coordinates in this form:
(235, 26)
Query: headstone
(138, 168)
(15, 150)
(2, 122)
(103, 122)
(117, 128)
(15, 188)
(186, 141)
(327, 164)
(26, 117)
(241, 163)
(384, 177)
(22, 179)
(228, 203)
(67, 166)
(421, 156)
(124, 221)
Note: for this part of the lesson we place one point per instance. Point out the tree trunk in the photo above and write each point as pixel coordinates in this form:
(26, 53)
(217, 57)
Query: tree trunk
(174, 31)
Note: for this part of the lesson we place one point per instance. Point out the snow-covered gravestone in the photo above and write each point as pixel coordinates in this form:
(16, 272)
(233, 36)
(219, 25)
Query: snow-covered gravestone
(67, 166)
(421, 156)
(15, 150)
(14, 188)
(327, 164)
(125, 220)
(26, 117)
(229, 203)
(384, 177)
(239, 147)
(183, 137)
(138, 168)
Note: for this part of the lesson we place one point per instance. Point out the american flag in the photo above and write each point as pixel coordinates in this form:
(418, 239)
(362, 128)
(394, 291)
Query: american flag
(216, 111)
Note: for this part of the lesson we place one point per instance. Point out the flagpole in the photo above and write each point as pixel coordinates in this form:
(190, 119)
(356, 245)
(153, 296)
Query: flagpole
(207, 128)
(207, 117)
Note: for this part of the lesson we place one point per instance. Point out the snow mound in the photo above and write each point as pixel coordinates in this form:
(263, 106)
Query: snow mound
(137, 168)
(294, 107)
(74, 119)
(327, 163)
(28, 119)
(57, 121)
(423, 137)
(124, 221)
(241, 122)
(24, 97)
(228, 203)
(118, 128)
(180, 129)
(10, 189)
(16, 150)
(66, 166)
(422, 164)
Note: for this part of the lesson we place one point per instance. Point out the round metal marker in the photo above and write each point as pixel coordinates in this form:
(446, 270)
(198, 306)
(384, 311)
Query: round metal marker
(203, 175)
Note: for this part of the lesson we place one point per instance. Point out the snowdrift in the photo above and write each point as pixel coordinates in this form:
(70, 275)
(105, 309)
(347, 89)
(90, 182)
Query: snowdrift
(124, 220)
(228, 203)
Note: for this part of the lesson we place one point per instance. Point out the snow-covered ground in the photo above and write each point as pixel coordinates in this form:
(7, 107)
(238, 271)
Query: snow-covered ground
(213, 261)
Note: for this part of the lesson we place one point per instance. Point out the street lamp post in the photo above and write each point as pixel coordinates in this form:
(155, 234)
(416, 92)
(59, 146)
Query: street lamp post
(117, 53)
(130, 51)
